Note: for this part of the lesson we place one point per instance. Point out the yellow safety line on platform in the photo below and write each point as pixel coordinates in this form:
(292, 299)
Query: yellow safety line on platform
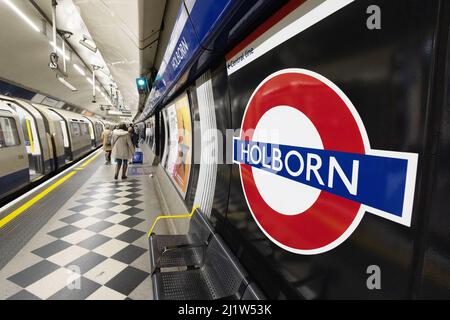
(180, 216)
(90, 160)
(31, 202)
(44, 193)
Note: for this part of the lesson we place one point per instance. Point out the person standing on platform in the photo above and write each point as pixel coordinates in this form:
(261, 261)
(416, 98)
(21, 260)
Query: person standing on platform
(122, 150)
(134, 136)
(107, 143)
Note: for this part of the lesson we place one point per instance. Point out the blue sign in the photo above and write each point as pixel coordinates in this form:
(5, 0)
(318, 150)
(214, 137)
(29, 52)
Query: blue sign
(192, 31)
(358, 177)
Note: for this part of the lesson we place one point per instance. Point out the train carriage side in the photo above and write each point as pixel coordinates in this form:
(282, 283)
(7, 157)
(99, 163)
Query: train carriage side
(78, 133)
(95, 130)
(56, 135)
(91, 121)
(98, 129)
(35, 128)
(14, 172)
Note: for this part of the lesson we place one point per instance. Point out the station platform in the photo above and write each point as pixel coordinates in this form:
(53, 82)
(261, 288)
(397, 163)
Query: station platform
(81, 235)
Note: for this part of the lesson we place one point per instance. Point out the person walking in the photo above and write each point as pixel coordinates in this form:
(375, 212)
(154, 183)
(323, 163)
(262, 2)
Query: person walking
(122, 150)
(107, 146)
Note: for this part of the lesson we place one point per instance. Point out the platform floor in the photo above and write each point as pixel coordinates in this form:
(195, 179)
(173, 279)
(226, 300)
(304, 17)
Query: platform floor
(94, 246)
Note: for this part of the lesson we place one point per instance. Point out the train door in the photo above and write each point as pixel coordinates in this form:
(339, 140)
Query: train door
(66, 140)
(98, 133)
(86, 136)
(59, 140)
(91, 132)
(54, 136)
(14, 172)
(66, 137)
(30, 131)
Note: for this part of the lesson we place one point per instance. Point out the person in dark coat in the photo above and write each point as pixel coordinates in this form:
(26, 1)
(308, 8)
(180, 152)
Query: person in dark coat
(134, 136)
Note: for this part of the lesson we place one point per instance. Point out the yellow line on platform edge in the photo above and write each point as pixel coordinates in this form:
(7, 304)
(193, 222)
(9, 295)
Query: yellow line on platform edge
(44, 193)
(31, 202)
(90, 160)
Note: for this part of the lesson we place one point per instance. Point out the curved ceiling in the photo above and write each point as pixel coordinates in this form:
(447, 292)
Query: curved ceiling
(125, 31)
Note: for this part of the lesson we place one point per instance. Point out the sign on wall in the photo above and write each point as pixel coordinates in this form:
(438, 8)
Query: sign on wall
(180, 143)
(307, 168)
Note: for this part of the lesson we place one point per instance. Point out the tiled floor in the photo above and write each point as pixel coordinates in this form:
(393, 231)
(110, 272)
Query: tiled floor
(95, 247)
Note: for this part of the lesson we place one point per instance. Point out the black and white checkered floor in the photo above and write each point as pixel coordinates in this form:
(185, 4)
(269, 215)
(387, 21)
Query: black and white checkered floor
(95, 248)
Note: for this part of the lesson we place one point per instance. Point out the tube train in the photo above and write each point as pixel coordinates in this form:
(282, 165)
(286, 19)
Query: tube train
(37, 140)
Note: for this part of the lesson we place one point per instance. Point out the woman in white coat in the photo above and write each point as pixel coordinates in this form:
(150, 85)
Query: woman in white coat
(123, 149)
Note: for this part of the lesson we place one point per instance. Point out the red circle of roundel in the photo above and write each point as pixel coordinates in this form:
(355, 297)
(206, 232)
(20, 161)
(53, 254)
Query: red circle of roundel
(330, 216)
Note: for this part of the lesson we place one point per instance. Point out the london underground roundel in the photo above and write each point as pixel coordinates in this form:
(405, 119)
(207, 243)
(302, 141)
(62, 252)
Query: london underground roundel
(307, 169)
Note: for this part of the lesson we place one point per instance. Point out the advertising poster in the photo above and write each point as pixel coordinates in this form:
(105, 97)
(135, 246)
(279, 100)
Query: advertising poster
(173, 139)
(180, 145)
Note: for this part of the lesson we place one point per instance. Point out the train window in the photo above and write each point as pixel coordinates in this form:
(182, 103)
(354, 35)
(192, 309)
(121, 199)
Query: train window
(98, 128)
(9, 136)
(84, 129)
(75, 128)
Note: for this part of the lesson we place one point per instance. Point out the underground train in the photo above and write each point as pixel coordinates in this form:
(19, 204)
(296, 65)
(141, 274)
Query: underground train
(355, 202)
(37, 140)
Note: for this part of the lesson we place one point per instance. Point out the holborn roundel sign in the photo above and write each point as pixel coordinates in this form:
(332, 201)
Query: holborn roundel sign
(306, 165)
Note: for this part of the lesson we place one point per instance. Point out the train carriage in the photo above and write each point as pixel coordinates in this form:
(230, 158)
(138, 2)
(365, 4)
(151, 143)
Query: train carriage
(14, 172)
(43, 139)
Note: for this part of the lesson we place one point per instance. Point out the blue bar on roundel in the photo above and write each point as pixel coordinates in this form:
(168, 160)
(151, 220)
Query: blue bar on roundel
(376, 181)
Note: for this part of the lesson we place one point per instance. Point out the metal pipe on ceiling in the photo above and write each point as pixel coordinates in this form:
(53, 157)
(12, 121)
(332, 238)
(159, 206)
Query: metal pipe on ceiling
(42, 13)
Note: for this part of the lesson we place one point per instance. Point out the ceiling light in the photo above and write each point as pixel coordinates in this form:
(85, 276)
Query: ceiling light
(60, 51)
(79, 69)
(84, 42)
(22, 15)
(67, 84)
(89, 80)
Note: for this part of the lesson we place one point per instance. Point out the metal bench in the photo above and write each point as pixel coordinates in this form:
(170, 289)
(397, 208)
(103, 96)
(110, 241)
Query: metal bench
(169, 251)
(210, 270)
(219, 276)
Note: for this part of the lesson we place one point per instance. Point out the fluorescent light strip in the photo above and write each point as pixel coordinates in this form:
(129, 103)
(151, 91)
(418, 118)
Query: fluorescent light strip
(59, 50)
(22, 15)
(89, 46)
(79, 69)
(67, 84)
